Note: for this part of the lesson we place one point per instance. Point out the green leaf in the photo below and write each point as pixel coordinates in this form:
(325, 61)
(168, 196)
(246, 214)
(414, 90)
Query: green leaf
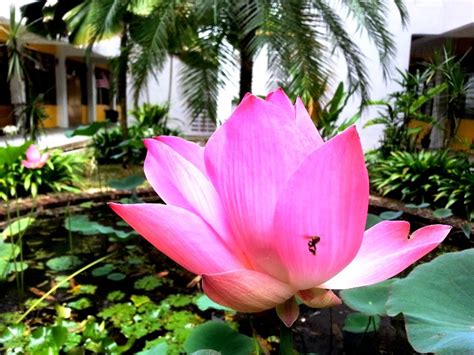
(11, 154)
(204, 303)
(157, 349)
(218, 336)
(369, 300)
(116, 276)
(88, 130)
(9, 251)
(466, 228)
(62, 263)
(102, 270)
(115, 296)
(81, 303)
(390, 215)
(437, 300)
(443, 213)
(148, 283)
(17, 227)
(139, 300)
(127, 183)
(361, 323)
(372, 220)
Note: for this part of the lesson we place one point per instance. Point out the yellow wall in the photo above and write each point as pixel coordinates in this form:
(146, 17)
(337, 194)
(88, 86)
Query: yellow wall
(52, 120)
(100, 112)
(464, 136)
(462, 141)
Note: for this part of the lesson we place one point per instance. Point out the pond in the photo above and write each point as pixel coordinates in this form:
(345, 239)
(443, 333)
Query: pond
(138, 299)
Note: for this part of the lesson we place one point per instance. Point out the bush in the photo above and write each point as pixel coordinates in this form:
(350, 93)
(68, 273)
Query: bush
(151, 121)
(62, 172)
(441, 178)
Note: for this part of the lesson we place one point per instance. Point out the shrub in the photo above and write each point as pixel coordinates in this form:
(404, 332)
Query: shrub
(441, 178)
(62, 172)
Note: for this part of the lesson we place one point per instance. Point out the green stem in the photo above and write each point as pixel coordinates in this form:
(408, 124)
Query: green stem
(286, 340)
(68, 219)
(62, 282)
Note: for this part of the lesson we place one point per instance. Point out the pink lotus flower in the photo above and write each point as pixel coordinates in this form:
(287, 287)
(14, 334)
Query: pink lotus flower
(34, 159)
(268, 211)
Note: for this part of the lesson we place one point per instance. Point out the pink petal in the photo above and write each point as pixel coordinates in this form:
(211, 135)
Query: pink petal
(246, 290)
(281, 101)
(306, 124)
(188, 150)
(180, 183)
(324, 203)
(288, 311)
(33, 154)
(319, 298)
(181, 235)
(249, 159)
(386, 250)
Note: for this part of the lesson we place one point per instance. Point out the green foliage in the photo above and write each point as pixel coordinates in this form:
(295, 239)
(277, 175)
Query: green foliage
(130, 182)
(328, 117)
(440, 178)
(16, 227)
(110, 147)
(437, 301)
(62, 263)
(220, 337)
(148, 283)
(62, 172)
(361, 323)
(204, 303)
(403, 106)
(82, 224)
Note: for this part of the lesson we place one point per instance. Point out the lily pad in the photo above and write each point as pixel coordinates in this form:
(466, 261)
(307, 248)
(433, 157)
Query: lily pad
(62, 263)
(220, 337)
(9, 251)
(116, 276)
(372, 220)
(17, 227)
(204, 303)
(102, 270)
(361, 323)
(391, 215)
(437, 300)
(369, 300)
(127, 183)
(443, 213)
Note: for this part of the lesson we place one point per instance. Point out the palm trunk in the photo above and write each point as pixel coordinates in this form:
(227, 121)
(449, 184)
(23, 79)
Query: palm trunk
(246, 67)
(122, 81)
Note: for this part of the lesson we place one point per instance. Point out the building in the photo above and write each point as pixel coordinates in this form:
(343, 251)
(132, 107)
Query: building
(72, 90)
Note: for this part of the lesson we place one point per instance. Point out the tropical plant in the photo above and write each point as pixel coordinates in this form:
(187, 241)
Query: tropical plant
(328, 117)
(403, 106)
(61, 172)
(441, 178)
(446, 67)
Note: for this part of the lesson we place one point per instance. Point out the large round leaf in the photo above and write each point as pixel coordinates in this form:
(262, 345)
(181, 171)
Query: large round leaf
(437, 300)
(369, 300)
(218, 336)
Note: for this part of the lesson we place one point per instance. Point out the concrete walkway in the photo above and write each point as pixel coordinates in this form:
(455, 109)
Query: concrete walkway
(50, 139)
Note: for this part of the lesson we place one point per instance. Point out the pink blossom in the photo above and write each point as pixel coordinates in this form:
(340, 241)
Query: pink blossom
(268, 211)
(34, 158)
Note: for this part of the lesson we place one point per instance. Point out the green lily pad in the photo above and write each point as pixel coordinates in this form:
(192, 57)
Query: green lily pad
(361, 323)
(204, 303)
(127, 183)
(82, 224)
(102, 270)
(369, 300)
(218, 336)
(116, 276)
(437, 300)
(443, 213)
(372, 220)
(390, 215)
(62, 263)
(9, 251)
(17, 227)
(158, 349)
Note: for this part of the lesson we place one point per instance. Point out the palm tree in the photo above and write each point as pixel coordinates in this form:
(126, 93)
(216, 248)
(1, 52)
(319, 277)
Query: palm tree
(209, 36)
(299, 35)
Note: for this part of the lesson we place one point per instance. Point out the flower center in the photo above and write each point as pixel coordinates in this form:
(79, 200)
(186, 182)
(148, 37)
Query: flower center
(312, 244)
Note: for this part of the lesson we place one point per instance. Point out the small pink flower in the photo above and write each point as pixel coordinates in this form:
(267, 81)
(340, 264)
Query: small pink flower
(268, 211)
(34, 159)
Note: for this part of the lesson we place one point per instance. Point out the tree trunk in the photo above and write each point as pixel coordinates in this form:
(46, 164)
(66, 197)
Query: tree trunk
(246, 67)
(440, 112)
(122, 81)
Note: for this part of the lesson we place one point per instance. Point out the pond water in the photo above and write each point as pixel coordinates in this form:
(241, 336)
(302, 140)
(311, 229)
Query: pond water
(138, 298)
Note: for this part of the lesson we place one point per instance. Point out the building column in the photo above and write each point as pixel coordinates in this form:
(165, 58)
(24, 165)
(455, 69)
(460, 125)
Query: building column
(61, 89)
(91, 93)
